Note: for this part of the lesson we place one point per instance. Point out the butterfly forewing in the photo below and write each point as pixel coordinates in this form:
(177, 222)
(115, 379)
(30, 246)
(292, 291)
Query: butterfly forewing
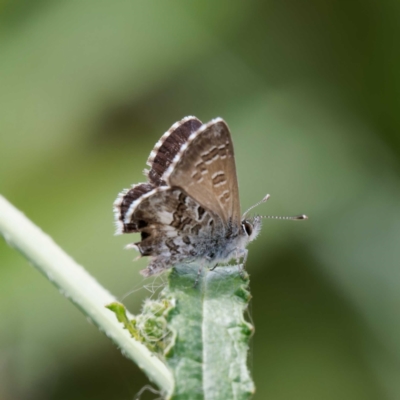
(168, 147)
(205, 169)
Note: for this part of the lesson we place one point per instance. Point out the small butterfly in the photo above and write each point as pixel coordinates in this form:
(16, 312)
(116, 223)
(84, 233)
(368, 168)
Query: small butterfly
(189, 209)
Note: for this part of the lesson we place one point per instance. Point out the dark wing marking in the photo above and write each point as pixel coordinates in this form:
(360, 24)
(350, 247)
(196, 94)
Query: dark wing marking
(124, 202)
(168, 146)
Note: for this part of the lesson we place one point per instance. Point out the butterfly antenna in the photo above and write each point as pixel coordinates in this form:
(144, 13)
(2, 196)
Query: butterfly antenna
(257, 204)
(295, 218)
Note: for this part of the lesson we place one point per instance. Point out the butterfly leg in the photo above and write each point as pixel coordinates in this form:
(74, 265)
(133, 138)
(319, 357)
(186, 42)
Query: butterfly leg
(155, 267)
(212, 268)
(198, 276)
(243, 255)
(133, 246)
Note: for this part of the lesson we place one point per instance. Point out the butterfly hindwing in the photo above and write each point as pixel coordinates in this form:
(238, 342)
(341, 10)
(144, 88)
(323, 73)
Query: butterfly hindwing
(173, 227)
(124, 201)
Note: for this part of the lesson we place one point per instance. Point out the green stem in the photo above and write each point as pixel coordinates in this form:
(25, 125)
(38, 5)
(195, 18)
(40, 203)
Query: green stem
(79, 287)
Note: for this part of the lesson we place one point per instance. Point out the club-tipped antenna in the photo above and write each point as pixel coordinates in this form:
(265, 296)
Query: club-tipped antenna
(266, 197)
(295, 217)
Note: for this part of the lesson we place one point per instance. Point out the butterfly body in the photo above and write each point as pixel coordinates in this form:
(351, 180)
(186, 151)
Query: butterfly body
(189, 210)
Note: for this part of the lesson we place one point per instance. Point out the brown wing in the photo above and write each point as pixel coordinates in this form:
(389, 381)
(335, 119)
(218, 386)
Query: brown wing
(124, 201)
(168, 146)
(205, 169)
(173, 227)
(159, 160)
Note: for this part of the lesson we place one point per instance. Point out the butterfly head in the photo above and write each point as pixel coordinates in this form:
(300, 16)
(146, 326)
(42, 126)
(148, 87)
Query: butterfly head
(251, 227)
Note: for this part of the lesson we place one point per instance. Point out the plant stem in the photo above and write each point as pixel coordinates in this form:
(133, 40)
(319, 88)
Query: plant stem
(79, 287)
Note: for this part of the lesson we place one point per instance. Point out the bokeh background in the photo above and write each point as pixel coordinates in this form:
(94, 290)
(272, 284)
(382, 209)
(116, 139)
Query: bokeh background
(310, 90)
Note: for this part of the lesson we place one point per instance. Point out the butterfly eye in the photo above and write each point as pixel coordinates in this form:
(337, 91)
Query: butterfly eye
(247, 228)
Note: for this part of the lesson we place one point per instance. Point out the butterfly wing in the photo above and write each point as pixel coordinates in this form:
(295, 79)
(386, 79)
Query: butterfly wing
(123, 203)
(168, 146)
(173, 226)
(191, 197)
(205, 169)
(159, 160)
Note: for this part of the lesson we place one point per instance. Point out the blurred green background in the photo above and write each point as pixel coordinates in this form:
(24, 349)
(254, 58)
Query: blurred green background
(310, 90)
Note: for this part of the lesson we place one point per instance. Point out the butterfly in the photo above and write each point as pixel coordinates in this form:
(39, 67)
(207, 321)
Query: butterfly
(189, 208)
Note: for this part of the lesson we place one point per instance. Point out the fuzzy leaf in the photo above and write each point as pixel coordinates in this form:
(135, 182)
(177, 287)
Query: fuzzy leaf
(197, 328)
(208, 356)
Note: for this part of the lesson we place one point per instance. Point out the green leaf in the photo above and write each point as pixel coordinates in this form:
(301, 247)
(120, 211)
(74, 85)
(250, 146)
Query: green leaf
(150, 327)
(197, 328)
(208, 356)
